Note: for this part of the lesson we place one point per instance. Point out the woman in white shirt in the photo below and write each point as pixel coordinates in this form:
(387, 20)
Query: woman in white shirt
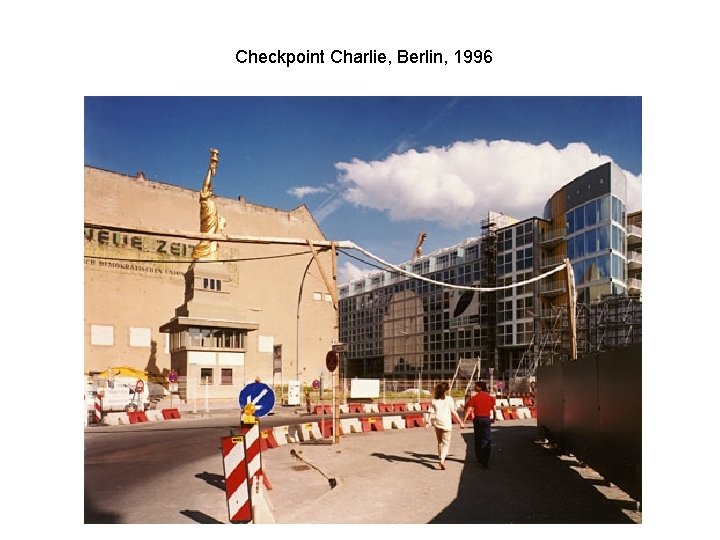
(442, 411)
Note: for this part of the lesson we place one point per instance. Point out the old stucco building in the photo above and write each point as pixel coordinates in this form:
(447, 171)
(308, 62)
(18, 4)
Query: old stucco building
(135, 280)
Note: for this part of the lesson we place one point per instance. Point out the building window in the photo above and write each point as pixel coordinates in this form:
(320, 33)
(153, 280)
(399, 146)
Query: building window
(212, 284)
(226, 376)
(524, 234)
(524, 259)
(102, 334)
(206, 375)
(140, 337)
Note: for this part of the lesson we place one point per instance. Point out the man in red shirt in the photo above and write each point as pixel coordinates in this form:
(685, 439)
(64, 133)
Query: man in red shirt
(482, 405)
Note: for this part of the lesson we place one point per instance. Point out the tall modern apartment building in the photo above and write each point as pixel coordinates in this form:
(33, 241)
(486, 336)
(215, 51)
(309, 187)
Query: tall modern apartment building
(397, 326)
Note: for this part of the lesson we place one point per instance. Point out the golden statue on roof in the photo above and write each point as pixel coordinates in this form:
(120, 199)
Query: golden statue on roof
(210, 219)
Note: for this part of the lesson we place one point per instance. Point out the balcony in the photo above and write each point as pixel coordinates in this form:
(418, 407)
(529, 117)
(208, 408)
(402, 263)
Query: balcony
(634, 232)
(634, 285)
(552, 288)
(551, 262)
(552, 238)
(634, 259)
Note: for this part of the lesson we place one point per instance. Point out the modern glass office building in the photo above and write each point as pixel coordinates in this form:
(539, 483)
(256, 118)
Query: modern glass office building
(401, 327)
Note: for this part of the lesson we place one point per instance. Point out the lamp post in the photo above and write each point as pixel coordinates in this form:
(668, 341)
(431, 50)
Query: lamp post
(297, 321)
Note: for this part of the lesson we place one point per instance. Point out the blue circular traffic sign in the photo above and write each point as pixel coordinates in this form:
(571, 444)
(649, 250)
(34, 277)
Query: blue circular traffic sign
(260, 396)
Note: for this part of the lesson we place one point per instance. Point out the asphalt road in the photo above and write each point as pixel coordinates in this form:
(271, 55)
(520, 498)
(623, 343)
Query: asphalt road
(174, 474)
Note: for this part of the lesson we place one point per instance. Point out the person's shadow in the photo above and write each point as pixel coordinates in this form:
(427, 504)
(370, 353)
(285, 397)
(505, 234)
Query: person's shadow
(428, 460)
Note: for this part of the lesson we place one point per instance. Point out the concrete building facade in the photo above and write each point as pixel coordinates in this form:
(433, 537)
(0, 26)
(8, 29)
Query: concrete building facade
(135, 279)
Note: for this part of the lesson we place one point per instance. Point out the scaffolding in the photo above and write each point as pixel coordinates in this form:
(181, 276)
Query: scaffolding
(611, 323)
(547, 346)
(465, 366)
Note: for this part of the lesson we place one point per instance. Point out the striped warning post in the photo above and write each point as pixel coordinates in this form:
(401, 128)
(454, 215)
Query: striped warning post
(237, 487)
(98, 408)
(253, 453)
(253, 449)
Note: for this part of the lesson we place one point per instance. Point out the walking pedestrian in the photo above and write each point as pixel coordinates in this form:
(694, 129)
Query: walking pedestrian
(442, 411)
(482, 406)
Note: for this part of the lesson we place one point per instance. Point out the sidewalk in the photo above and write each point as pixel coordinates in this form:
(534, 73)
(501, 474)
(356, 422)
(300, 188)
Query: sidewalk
(390, 477)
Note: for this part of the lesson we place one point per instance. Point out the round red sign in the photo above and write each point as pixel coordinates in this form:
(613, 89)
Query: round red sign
(331, 360)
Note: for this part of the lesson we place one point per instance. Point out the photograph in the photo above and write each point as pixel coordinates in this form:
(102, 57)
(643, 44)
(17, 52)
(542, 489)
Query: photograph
(334, 286)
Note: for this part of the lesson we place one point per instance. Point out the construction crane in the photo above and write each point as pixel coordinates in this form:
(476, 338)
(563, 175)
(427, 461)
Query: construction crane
(418, 245)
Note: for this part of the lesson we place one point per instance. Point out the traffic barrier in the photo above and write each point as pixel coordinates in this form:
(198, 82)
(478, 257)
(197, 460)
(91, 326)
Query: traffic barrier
(310, 431)
(498, 414)
(115, 419)
(414, 420)
(528, 401)
(170, 414)
(370, 408)
(400, 407)
(392, 422)
(351, 425)
(281, 434)
(385, 407)
(413, 407)
(135, 417)
(267, 439)
(515, 402)
(294, 433)
(326, 428)
(344, 408)
(261, 513)
(253, 451)
(98, 409)
(523, 412)
(533, 412)
(237, 487)
(156, 414)
(355, 407)
(425, 406)
(510, 414)
(398, 422)
(323, 409)
(371, 423)
(502, 402)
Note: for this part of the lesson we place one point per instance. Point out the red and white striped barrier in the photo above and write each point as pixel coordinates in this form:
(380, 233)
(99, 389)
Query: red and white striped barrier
(237, 486)
(98, 408)
(253, 454)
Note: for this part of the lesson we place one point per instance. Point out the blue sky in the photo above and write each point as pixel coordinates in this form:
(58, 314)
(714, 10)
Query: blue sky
(373, 170)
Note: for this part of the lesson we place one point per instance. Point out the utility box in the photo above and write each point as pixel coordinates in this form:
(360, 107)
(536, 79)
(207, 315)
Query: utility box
(293, 395)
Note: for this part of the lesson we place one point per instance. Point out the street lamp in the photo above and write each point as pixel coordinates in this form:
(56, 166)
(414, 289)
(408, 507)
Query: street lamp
(297, 322)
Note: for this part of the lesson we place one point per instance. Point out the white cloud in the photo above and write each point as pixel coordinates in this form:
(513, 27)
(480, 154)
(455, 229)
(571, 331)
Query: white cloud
(302, 191)
(459, 184)
(349, 272)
